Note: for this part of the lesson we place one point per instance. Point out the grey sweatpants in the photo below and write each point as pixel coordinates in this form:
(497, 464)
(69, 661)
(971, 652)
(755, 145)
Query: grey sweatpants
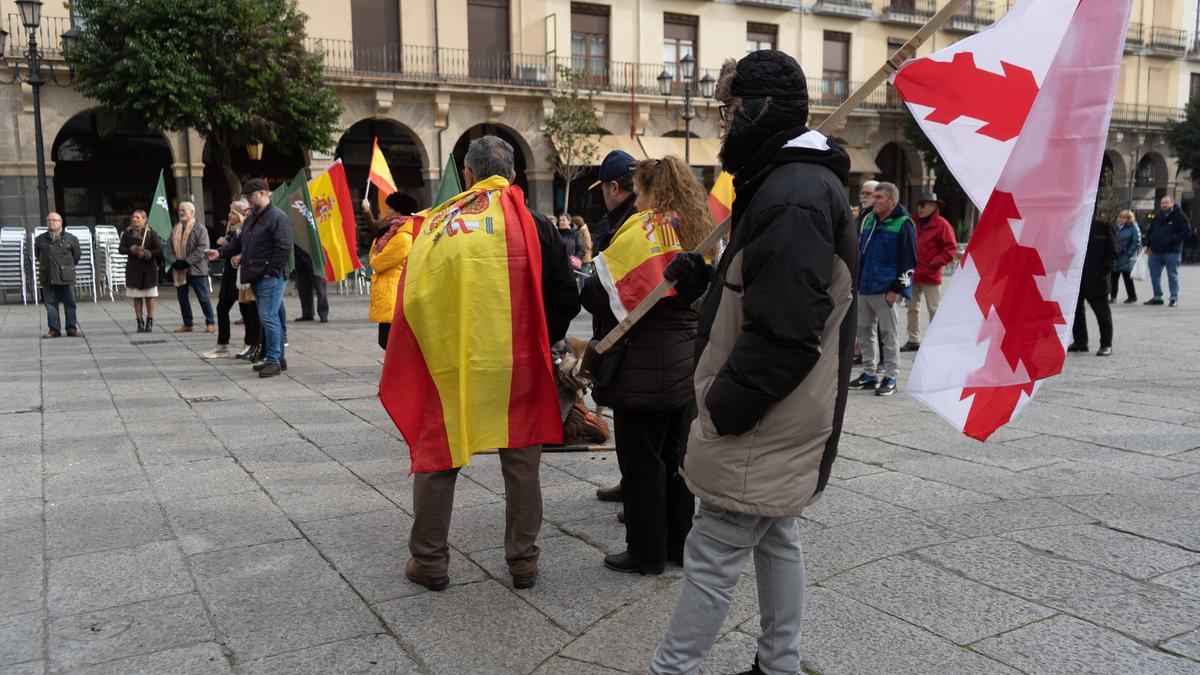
(713, 558)
(872, 310)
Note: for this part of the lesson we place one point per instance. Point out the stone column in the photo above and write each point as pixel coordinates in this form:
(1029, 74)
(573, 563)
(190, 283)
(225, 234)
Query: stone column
(541, 191)
(432, 175)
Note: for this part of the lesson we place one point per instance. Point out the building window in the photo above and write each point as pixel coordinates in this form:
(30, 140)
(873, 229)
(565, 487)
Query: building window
(761, 36)
(680, 39)
(375, 29)
(836, 64)
(589, 41)
(487, 35)
(893, 46)
(1194, 86)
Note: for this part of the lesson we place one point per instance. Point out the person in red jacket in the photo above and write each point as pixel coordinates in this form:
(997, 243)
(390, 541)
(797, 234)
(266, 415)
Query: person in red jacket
(936, 247)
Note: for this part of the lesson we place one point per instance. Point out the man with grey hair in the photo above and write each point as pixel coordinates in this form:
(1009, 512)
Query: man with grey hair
(866, 199)
(458, 236)
(887, 256)
(189, 267)
(57, 252)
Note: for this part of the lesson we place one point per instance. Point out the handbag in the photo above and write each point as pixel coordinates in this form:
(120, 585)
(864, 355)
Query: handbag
(245, 292)
(1141, 268)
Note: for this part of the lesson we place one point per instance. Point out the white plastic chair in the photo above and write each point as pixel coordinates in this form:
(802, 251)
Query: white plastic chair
(12, 260)
(85, 269)
(108, 244)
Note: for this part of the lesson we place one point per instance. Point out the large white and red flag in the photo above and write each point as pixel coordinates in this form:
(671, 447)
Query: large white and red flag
(1020, 114)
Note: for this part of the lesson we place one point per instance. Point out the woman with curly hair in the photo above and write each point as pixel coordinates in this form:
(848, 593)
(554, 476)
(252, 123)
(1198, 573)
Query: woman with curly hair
(650, 390)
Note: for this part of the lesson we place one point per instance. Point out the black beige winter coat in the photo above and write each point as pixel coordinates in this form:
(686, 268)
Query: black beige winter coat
(56, 258)
(776, 333)
(141, 274)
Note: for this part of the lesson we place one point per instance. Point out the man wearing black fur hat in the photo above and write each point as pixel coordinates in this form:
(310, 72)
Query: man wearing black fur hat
(773, 356)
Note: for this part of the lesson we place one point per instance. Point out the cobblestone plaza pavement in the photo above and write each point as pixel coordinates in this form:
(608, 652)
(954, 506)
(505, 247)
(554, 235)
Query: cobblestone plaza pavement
(160, 513)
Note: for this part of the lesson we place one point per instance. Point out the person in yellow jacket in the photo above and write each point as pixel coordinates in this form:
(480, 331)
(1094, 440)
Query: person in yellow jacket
(389, 253)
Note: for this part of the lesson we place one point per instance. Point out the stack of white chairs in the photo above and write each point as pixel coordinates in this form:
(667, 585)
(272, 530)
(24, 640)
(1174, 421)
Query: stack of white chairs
(108, 244)
(85, 269)
(12, 260)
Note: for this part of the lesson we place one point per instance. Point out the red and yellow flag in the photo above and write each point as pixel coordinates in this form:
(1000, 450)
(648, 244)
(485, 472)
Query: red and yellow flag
(634, 261)
(720, 199)
(380, 175)
(468, 360)
(334, 211)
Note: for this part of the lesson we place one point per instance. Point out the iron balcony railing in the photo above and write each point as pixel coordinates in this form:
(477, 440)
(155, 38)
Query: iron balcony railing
(859, 8)
(49, 36)
(974, 16)
(1194, 47)
(908, 11)
(832, 91)
(1133, 116)
(1134, 37)
(1169, 40)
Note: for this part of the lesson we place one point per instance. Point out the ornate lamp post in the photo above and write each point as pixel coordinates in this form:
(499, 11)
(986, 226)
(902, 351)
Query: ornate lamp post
(35, 77)
(687, 68)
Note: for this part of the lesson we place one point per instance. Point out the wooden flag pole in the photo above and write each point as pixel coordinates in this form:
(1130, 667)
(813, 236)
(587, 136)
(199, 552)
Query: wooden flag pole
(592, 355)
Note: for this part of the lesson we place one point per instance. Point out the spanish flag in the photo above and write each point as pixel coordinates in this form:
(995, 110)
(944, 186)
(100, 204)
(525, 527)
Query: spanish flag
(634, 261)
(380, 175)
(468, 359)
(332, 207)
(720, 199)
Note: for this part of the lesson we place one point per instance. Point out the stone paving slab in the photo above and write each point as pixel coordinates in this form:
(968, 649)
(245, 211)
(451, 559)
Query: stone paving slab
(1068, 645)
(187, 516)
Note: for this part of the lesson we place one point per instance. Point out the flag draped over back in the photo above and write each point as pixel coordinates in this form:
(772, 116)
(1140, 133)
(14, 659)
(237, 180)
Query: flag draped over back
(295, 201)
(334, 213)
(720, 198)
(1020, 115)
(634, 261)
(159, 217)
(468, 363)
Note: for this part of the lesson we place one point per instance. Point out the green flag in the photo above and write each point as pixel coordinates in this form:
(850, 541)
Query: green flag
(450, 184)
(160, 211)
(294, 200)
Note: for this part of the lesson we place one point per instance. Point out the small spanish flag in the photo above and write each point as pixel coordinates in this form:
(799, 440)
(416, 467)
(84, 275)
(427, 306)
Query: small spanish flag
(334, 213)
(468, 359)
(380, 175)
(634, 261)
(720, 199)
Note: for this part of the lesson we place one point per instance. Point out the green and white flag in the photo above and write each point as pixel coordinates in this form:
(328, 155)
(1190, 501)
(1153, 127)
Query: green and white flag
(294, 200)
(450, 185)
(160, 211)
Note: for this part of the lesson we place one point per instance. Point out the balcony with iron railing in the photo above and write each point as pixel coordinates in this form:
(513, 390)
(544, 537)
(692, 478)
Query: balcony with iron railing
(1167, 41)
(771, 4)
(49, 36)
(1134, 37)
(908, 12)
(974, 16)
(1194, 48)
(830, 92)
(849, 8)
(1145, 117)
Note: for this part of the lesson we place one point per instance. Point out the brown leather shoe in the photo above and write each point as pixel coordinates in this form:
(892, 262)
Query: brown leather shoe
(210, 328)
(74, 333)
(51, 334)
(414, 575)
(184, 329)
(612, 494)
(526, 579)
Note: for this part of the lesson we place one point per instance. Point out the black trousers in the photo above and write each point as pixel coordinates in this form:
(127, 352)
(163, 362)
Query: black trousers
(1130, 291)
(658, 505)
(308, 283)
(385, 329)
(252, 324)
(1103, 313)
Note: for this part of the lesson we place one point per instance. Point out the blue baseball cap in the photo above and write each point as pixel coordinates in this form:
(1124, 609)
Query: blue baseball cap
(616, 164)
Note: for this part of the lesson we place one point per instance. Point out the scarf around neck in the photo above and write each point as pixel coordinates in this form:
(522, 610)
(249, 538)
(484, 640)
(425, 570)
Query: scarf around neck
(179, 239)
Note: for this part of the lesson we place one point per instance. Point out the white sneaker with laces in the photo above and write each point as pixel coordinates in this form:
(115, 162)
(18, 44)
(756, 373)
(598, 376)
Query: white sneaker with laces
(219, 353)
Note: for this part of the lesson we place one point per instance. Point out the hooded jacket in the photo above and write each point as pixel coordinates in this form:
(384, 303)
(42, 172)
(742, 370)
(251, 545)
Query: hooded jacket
(887, 254)
(936, 247)
(776, 331)
(1167, 233)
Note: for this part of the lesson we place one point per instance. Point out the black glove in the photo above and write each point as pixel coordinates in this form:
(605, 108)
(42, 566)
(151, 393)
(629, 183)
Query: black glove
(690, 273)
(180, 265)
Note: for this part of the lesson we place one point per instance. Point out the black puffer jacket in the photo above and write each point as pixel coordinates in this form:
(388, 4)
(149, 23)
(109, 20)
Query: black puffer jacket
(656, 369)
(1098, 259)
(1168, 232)
(265, 245)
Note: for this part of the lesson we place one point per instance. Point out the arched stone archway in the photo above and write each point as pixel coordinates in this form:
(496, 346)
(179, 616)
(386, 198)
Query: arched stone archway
(102, 172)
(279, 165)
(405, 154)
(521, 151)
(896, 165)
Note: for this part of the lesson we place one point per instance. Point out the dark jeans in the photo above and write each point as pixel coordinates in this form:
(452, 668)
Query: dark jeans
(307, 283)
(253, 326)
(51, 297)
(385, 329)
(1130, 291)
(658, 505)
(200, 286)
(1103, 313)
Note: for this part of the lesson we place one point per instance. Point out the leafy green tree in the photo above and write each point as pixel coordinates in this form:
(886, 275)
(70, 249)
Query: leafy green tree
(572, 129)
(1183, 136)
(234, 70)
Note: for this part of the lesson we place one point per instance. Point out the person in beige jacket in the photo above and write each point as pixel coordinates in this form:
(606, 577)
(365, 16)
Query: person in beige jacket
(773, 352)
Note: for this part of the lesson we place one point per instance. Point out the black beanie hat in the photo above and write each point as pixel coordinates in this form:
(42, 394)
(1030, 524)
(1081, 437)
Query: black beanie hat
(769, 72)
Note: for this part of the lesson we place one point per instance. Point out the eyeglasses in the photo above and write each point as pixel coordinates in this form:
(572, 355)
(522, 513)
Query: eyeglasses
(726, 111)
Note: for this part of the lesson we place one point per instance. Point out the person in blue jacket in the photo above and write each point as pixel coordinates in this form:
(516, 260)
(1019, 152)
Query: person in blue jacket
(1129, 240)
(1165, 239)
(887, 246)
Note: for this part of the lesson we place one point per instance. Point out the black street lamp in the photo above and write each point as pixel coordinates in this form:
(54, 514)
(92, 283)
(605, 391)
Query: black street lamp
(31, 17)
(687, 72)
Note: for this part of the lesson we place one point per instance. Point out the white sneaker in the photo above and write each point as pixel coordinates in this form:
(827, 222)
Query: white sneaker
(219, 353)
(245, 350)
